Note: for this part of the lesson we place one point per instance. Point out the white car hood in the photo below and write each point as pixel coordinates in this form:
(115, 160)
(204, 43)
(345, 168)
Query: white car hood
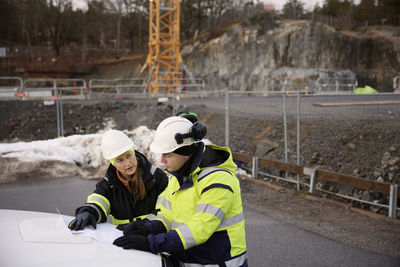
(42, 239)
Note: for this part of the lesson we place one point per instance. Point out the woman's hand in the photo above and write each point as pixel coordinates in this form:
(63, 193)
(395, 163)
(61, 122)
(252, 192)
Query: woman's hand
(81, 220)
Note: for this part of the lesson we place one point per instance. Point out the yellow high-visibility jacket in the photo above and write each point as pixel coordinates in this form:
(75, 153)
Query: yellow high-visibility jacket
(203, 213)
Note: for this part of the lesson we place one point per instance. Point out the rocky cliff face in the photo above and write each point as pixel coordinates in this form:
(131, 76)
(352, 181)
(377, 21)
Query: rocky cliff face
(248, 56)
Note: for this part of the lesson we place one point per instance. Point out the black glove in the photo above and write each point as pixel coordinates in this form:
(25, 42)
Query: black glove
(122, 226)
(142, 227)
(138, 242)
(134, 229)
(81, 220)
(131, 228)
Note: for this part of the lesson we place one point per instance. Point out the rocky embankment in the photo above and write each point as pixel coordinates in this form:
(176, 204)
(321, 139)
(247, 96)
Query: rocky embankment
(252, 54)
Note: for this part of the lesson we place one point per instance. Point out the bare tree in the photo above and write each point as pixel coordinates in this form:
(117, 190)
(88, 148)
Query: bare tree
(293, 9)
(56, 20)
(136, 12)
(116, 7)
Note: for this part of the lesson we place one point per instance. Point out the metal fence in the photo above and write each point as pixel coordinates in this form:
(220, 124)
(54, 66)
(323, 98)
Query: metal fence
(53, 88)
(169, 83)
(352, 125)
(396, 83)
(11, 87)
(16, 87)
(330, 131)
(116, 88)
(315, 174)
(305, 85)
(290, 128)
(336, 85)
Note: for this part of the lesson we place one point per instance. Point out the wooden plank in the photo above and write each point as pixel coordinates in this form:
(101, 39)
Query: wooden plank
(344, 179)
(242, 157)
(361, 183)
(293, 168)
(356, 103)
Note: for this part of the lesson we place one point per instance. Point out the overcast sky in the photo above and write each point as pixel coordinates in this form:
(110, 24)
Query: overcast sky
(309, 4)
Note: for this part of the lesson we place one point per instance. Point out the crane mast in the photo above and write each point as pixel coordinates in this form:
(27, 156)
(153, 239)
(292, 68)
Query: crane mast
(164, 58)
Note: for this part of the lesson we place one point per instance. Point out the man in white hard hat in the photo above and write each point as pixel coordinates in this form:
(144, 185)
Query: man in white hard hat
(201, 218)
(129, 189)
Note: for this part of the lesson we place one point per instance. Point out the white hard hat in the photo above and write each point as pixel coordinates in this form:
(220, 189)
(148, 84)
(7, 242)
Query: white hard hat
(164, 139)
(115, 143)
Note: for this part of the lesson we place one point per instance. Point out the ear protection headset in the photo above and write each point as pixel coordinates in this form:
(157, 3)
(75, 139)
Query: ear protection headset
(197, 132)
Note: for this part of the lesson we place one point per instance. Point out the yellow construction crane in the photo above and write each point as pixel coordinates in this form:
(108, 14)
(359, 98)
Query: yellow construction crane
(164, 58)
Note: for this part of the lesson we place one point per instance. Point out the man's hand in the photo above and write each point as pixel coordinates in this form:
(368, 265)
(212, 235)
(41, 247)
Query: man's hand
(142, 227)
(135, 228)
(138, 242)
(81, 220)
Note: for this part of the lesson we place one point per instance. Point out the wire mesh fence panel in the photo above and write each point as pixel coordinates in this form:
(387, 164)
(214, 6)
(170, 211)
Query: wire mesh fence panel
(39, 88)
(116, 88)
(10, 87)
(71, 87)
(396, 84)
(335, 85)
(349, 134)
(346, 134)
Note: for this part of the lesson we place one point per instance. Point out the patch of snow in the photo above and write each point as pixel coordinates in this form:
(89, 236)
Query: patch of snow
(68, 156)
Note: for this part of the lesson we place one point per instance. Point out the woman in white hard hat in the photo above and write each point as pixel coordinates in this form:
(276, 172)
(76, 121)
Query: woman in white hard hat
(129, 189)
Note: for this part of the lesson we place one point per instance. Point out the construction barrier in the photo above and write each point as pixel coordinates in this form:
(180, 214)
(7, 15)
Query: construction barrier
(11, 87)
(303, 85)
(316, 174)
(396, 84)
(116, 88)
(335, 85)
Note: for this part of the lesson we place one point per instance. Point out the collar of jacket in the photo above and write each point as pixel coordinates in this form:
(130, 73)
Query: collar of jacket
(205, 156)
(194, 168)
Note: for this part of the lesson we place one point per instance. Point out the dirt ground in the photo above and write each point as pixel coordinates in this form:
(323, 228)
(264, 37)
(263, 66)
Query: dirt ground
(329, 218)
(335, 219)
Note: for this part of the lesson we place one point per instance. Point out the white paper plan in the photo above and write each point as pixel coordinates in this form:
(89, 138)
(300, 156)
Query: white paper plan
(54, 229)
(105, 233)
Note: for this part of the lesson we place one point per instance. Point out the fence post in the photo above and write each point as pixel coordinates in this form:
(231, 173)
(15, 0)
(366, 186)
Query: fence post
(337, 86)
(60, 123)
(254, 168)
(226, 116)
(285, 126)
(298, 138)
(396, 82)
(84, 90)
(174, 110)
(393, 201)
(312, 180)
(58, 108)
(285, 130)
(61, 114)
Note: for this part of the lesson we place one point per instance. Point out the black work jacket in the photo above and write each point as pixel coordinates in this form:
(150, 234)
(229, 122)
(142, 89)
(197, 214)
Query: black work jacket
(124, 205)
